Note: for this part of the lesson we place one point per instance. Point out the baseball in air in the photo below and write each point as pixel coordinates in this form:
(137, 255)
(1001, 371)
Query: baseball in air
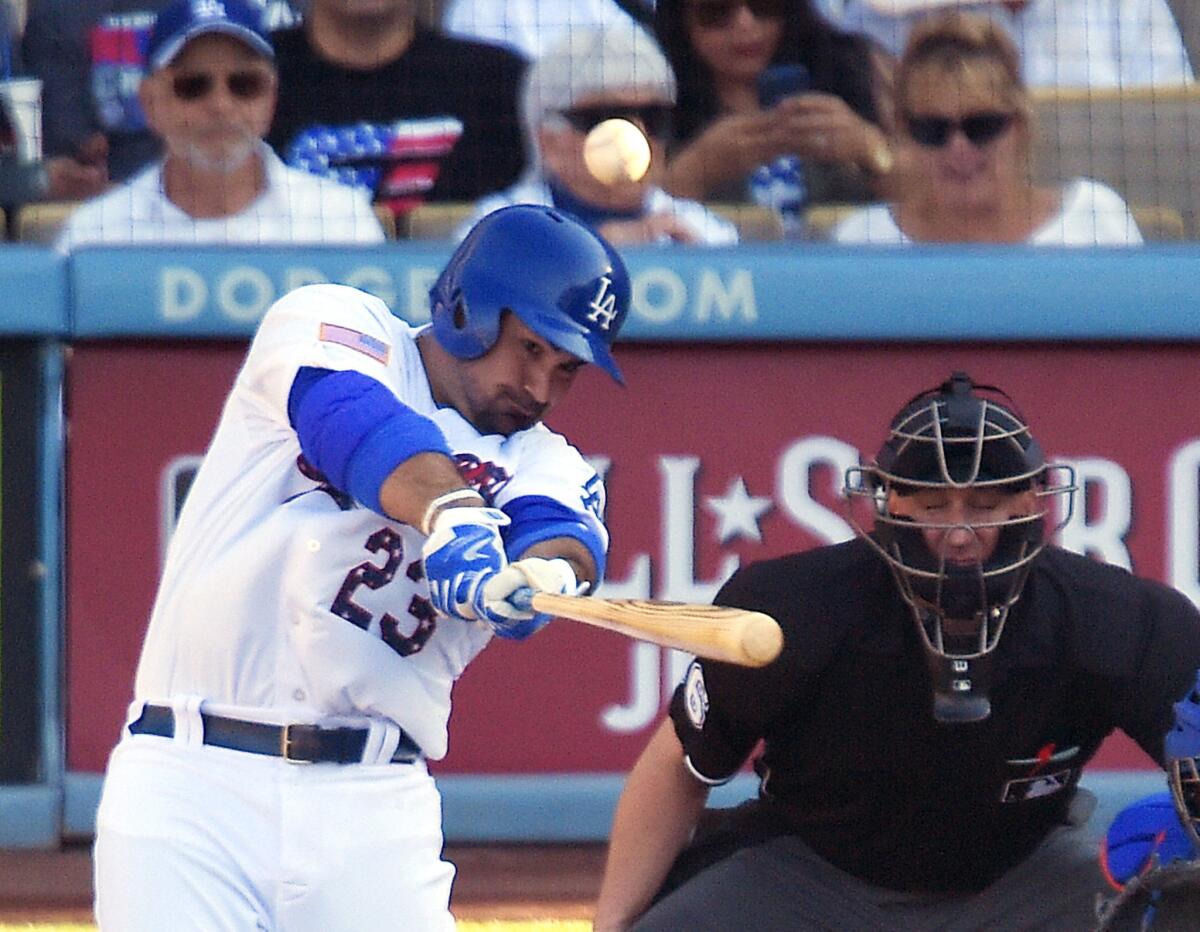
(616, 151)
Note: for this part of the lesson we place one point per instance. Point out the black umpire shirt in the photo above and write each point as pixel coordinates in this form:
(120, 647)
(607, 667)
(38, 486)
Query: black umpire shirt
(853, 760)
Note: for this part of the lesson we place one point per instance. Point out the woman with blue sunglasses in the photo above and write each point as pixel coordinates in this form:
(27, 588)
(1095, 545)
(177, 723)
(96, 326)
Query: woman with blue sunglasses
(964, 138)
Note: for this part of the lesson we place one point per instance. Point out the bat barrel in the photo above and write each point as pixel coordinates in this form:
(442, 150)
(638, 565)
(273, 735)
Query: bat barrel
(761, 641)
(731, 635)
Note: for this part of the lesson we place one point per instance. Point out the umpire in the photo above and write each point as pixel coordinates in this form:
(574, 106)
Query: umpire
(945, 679)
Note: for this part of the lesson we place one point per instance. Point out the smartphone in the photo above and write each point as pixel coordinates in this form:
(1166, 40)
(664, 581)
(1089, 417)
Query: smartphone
(780, 81)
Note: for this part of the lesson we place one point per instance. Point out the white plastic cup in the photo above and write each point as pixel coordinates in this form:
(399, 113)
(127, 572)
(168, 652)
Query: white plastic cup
(22, 101)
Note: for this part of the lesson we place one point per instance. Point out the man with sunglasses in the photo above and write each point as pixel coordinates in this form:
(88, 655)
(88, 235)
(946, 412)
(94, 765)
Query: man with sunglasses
(946, 677)
(90, 57)
(594, 74)
(209, 97)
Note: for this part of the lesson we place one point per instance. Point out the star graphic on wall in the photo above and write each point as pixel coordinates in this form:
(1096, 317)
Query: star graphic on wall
(738, 512)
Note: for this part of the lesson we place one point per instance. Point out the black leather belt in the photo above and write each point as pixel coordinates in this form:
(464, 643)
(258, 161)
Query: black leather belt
(299, 744)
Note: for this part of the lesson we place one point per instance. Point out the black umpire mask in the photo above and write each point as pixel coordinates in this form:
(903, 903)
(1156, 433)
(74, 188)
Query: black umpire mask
(953, 439)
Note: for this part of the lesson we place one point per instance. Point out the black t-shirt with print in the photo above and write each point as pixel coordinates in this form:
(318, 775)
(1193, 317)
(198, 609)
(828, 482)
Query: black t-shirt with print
(439, 123)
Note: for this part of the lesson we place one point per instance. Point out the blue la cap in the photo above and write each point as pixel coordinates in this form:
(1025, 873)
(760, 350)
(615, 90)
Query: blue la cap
(180, 22)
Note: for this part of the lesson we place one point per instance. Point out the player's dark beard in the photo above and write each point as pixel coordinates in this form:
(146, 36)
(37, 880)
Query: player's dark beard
(508, 414)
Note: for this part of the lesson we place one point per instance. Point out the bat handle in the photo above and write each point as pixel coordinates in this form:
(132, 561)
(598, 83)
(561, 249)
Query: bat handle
(522, 599)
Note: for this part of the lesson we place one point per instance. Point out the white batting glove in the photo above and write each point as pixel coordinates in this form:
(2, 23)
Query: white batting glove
(534, 573)
(462, 552)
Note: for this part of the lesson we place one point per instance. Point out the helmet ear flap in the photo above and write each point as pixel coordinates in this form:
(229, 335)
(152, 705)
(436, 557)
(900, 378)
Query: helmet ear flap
(463, 332)
(459, 316)
(474, 335)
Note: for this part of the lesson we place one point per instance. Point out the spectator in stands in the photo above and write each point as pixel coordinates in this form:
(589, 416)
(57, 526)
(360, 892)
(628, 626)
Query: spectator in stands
(10, 39)
(595, 73)
(209, 98)
(23, 179)
(529, 27)
(728, 147)
(1062, 43)
(963, 153)
(372, 97)
(90, 56)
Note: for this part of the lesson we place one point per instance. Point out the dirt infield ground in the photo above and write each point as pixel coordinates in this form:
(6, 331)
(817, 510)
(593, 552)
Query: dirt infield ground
(495, 882)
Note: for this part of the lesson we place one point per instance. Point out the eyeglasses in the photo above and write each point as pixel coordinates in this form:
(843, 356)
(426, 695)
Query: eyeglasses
(244, 85)
(716, 14)
(655, 118)
(979, 128)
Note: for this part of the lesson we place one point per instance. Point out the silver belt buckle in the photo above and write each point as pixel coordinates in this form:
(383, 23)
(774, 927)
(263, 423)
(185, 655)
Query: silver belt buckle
(285, 747)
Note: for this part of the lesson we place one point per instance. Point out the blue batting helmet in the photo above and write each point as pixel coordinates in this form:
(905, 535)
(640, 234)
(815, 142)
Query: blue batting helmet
(558, 276)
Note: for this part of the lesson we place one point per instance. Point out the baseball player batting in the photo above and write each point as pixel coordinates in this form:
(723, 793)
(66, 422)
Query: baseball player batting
(372, 495)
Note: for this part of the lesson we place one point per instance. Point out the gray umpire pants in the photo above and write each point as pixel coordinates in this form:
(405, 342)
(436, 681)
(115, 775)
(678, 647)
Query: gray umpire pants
(782, 885)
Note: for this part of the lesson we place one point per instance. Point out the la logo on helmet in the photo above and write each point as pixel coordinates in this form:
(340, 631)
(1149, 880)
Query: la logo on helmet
(208, 9)
(604, 305)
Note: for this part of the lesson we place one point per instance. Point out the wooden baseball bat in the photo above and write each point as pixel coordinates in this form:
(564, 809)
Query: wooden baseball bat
(716, 632)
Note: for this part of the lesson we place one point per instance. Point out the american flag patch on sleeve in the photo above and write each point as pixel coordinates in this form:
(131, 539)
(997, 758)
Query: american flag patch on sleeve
(362, 342)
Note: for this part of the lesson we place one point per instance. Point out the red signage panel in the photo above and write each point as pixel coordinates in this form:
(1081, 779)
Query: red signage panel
(713, 456)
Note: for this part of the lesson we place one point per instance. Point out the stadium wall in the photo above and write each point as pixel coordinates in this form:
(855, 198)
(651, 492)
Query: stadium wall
(755, 376)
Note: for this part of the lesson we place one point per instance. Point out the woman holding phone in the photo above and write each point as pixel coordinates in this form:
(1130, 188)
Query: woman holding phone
(767, 85)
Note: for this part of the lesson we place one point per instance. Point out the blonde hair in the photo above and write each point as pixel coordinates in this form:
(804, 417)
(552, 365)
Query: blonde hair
(959, 42)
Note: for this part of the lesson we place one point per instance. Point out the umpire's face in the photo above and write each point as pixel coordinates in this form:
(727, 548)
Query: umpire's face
(962, 525)
(213, 103)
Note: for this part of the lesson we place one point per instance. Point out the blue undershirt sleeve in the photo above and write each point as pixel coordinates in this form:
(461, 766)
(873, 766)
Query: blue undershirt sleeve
(355, 431)
(536, 518)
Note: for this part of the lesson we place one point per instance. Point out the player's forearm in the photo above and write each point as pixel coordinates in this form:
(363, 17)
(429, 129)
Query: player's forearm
(655, 818)
(354, 431)
(569, 549)
(407, 491)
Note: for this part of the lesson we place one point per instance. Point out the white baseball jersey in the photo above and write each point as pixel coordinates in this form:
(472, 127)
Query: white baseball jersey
(283, 599)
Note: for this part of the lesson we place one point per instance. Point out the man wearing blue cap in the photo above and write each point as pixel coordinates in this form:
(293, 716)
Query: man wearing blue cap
(209, 96)
(91, 56)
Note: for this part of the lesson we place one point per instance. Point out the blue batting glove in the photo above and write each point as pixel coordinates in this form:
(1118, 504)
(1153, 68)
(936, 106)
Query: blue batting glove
(462, 552)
